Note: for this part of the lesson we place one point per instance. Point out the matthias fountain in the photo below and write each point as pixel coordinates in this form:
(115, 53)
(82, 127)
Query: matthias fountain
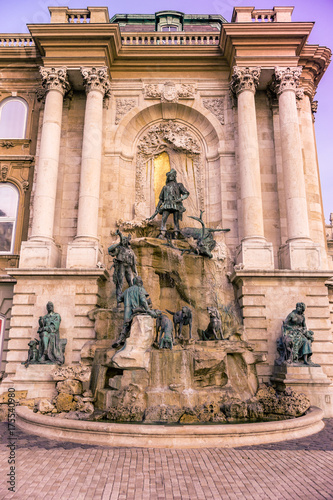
(170, 347)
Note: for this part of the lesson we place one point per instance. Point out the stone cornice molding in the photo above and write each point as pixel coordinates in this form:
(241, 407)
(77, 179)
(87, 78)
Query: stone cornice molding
(55, 79)
(244, 79)
(96, 79)
(286, 79)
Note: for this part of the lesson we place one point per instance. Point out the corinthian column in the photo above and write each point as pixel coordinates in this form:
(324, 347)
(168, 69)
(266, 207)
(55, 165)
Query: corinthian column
(254, 251)
(84, 251)
(299, 252)
(41, 250)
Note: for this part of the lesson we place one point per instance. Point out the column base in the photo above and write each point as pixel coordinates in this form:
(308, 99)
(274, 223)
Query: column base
(39, 253)
(255, 254)
(83, 253)
(300, 255)
(309, 380)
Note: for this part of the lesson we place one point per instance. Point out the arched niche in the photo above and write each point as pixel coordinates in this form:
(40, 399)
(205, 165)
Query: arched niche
(162, 146)
(126, 150)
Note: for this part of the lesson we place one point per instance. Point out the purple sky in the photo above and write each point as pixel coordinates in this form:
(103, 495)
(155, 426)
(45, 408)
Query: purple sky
(14, 17)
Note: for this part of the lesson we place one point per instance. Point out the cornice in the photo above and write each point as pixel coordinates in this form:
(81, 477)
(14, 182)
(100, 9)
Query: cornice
(263, 44)
(75, 45)
(315, 60)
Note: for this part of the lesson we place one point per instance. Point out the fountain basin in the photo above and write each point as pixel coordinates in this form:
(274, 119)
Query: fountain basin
(169, 436)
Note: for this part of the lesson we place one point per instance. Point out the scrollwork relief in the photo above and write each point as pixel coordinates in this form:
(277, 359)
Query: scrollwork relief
(216, 106)
(123, 106)
(7, 144)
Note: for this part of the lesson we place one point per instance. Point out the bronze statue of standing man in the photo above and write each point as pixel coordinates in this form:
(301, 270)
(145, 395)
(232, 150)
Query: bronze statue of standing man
(171, 202)
(124, 263)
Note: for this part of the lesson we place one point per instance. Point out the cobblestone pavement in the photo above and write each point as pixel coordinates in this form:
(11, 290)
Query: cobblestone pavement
(45, 469)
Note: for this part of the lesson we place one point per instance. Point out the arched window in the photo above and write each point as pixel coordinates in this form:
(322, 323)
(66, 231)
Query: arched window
(9, 199)
(13, 118)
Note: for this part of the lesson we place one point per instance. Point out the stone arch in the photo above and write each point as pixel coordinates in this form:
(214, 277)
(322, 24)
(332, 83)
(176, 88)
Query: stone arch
(120, 187)
(130, 128)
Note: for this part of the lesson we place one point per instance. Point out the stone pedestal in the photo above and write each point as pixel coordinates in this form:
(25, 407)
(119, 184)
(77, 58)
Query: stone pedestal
(40, 254)
(300, 255)
(83, 254)
(36, 379)
(255, 254)
(135, 353)
(310, 380)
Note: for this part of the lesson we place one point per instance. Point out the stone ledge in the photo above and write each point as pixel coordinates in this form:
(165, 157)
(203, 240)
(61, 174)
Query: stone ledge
(168, 436)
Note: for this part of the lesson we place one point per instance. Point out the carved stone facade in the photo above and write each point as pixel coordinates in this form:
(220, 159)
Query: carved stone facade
(286, 79)
(216, 106)
(169, 91)
(123, 106)
(96, 79)
(242, 159)
(55, 79)
(244, 79)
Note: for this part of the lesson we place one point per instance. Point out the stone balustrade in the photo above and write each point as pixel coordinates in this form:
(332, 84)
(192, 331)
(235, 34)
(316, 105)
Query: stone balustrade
(16, 40)
(264, 16)
(170, 39)
(78, 16)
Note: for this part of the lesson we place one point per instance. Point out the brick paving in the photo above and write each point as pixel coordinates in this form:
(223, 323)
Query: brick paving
(299, 469)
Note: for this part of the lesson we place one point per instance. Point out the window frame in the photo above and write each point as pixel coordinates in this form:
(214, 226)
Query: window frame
(11, 219)
(6, 101)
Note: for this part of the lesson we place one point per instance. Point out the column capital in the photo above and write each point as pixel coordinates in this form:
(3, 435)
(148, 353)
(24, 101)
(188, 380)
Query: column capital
(55, 79)
(244, 79)
(96, 79)
(286, 79)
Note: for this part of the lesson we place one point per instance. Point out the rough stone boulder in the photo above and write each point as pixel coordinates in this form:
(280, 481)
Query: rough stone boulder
(43, 405)
(73, 372)
(65, 402)
(235, 410)
(163, 413)
(122, 413)
(209, 412)
(70, 386)
(288, 402)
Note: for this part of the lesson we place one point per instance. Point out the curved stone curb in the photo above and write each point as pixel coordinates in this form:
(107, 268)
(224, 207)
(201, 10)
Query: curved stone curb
(167, 436)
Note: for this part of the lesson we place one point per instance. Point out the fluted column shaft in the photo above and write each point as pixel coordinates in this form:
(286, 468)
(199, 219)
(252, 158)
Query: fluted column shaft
(244, 83)
(286, 81)
(56, 84)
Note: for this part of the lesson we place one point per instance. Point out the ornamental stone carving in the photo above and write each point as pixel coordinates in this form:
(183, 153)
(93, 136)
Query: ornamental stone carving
(96, 79)
(314, 106)
(169, 91)
(7, 144)
(123, 106)
(163, 137)
(244, 79)
(55, 79)
(286, 79)
(215, 106)
(4, 173)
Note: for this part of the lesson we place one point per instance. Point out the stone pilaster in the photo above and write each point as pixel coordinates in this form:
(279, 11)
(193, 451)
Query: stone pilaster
(40, 250)
(299, 252)
(254, 252)
(84, 250)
